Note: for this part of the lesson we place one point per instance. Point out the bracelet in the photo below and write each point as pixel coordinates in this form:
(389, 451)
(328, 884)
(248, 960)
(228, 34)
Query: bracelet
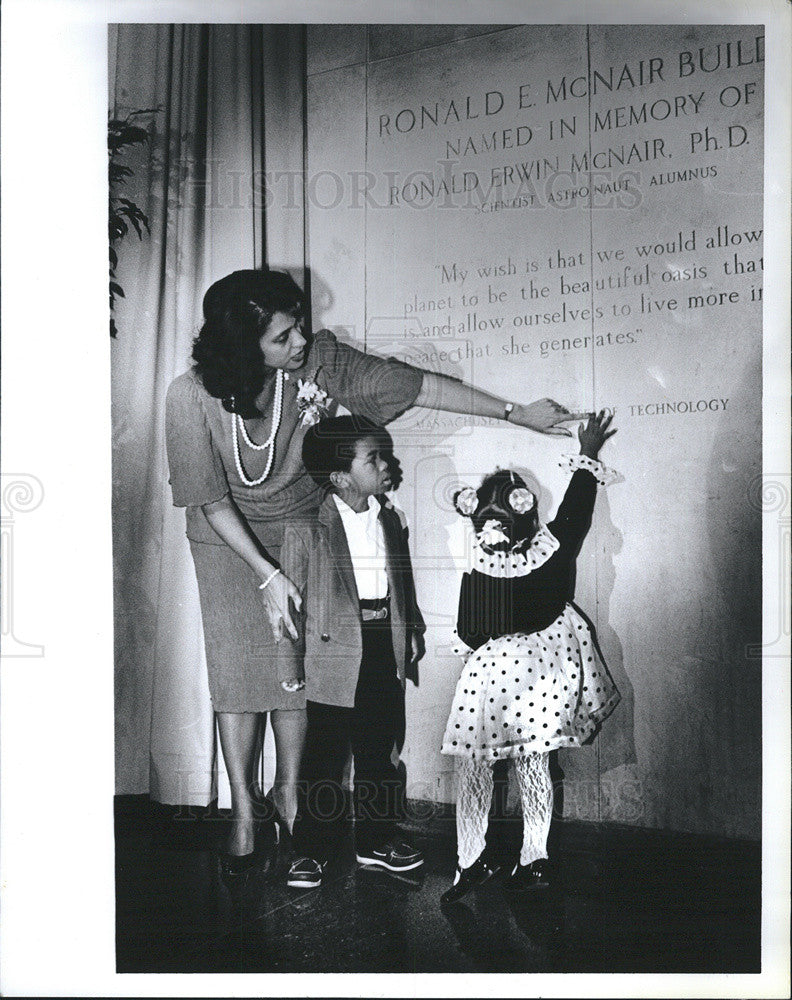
(507, 411)
(269, 579)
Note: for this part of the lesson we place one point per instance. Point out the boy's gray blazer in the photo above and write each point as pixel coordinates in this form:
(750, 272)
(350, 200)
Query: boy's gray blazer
(317, 560)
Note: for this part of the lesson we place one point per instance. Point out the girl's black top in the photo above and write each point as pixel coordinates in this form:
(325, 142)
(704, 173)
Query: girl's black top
(490, 607)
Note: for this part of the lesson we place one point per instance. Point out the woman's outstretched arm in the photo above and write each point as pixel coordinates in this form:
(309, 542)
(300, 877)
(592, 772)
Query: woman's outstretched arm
(441, 392)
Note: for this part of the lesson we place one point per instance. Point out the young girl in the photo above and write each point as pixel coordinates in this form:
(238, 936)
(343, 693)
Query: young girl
(533, 680)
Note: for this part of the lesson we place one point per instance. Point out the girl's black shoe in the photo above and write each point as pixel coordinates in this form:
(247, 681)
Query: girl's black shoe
(525, 878)
(467, 879)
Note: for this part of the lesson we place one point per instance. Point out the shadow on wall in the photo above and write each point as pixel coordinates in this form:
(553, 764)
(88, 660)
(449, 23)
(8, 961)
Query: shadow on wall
(604, 786)
(619, 746)
(728, 651)
(735, 505)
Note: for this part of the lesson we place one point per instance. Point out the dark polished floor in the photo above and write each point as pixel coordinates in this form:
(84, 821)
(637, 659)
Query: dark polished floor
(623, 900)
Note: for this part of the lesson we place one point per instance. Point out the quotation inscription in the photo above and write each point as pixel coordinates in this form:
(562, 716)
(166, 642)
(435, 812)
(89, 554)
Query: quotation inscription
(518, 293)
(503, 309)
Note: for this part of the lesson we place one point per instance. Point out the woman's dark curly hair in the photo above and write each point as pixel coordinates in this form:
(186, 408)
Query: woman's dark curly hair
(237, 311)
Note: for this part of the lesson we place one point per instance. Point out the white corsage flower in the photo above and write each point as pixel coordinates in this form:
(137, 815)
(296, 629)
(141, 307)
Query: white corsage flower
(521, 500)
(492, 533)
(312, 401)
(467, 501)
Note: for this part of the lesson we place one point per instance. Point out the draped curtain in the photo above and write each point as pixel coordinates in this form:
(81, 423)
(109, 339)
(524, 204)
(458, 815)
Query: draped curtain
(226, 110)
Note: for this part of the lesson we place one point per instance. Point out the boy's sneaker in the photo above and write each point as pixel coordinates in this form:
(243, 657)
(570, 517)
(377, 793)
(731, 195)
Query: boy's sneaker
(525, 878)
(467, 879)
(409, 881)
(396, 856)
(305, 873)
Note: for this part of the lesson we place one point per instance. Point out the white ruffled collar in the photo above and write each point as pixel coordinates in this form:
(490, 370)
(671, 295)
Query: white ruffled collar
(511, 564)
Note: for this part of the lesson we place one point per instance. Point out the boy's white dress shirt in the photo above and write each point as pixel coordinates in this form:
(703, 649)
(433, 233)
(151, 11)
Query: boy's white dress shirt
(366, 547)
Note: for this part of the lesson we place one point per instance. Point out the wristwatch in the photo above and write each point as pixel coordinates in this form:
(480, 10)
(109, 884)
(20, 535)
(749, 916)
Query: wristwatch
(507, 411)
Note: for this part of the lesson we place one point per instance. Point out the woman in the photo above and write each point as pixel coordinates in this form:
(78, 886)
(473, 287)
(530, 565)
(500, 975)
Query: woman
(234, 428)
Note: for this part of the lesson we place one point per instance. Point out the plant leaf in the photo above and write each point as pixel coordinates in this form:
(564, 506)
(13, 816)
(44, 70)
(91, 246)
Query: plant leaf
(118, 171)
(122, 133)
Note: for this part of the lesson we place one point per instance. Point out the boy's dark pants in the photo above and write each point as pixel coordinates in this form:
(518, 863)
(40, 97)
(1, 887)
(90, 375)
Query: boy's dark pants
(371, 727)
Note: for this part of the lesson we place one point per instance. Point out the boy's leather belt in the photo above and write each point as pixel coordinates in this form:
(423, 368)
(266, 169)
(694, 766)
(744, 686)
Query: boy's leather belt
(375, 610)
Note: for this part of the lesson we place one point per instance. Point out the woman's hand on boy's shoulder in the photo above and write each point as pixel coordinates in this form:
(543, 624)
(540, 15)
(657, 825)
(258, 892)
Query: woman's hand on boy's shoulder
(594, 433)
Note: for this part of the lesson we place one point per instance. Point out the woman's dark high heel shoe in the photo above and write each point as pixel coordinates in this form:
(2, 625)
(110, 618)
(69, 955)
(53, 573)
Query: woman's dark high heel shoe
(260, 858)
(281, 826)
(239, 864)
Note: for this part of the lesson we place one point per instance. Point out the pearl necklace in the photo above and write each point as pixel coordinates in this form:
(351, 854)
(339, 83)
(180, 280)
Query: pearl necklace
(237, 423)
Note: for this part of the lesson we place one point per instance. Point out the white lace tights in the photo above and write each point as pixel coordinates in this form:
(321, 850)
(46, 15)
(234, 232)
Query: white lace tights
(474, 797)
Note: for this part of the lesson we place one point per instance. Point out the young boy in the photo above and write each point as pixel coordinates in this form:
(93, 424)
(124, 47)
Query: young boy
(362, 630)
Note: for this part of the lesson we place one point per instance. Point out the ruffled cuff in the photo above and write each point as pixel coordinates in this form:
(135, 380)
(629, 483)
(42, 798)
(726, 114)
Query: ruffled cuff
(460, 647)
(601, 473)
